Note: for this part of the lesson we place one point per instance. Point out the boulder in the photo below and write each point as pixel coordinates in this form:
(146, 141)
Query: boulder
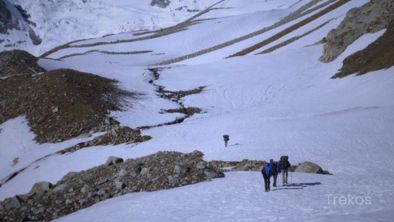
(61, 187)
(40, 188)
(119, 185)
(112, 160)
(309, 167)
(12, 203)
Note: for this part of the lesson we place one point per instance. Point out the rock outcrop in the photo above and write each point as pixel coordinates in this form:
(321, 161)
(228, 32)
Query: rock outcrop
(310, 167)
(378, 55)
(18, 62)
(75, 191)
(6, 20)
(15, 18)
(369, 18)
(112, 160)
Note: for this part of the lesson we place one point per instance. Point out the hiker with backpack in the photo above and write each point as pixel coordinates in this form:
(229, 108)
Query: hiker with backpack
(284, 166)
(267, 173)
(275, 171)
(226, 138)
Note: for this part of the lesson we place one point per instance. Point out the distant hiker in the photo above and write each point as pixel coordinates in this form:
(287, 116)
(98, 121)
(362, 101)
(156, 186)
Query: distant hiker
(275, 171)
(267, 173)
(226, 138)
(284, 165)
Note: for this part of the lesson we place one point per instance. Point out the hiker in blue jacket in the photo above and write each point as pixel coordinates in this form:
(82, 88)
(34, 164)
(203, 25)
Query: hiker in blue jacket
(275, 171)
(267, 173)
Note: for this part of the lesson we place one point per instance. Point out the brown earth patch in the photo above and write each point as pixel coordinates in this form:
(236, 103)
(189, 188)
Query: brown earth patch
(189, 111)
(61, 104)
(18, 62)
(291, 40)
(378, 55)
(177, 95)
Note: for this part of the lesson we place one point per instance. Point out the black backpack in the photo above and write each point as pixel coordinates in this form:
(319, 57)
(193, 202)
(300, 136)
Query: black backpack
(284, 162)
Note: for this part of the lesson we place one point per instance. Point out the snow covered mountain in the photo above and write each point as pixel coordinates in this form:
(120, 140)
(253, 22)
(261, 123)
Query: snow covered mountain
(311, 79)
(61, 21)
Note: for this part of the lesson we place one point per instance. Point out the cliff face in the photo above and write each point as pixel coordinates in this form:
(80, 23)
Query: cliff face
(15, 29)
(369, 18)
(6, 21)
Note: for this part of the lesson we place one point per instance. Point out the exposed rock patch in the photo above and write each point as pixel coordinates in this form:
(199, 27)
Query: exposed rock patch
(378, 55)
(61, 104)
(187, 110)
(369, 18)
(160, 3)
(115, 136)
(18, 62)
(75, 191)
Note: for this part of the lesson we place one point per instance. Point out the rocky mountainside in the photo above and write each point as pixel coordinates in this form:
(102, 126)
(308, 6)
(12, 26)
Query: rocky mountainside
(369, 18)
(378, 55)
(246, 82)
(15, 29)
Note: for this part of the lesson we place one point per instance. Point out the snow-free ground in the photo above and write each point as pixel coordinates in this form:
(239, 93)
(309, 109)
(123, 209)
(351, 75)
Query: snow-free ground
(279, 103)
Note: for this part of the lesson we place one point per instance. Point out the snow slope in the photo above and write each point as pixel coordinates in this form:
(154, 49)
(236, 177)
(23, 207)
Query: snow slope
(89, 19)
(241, 197)
(279, 103)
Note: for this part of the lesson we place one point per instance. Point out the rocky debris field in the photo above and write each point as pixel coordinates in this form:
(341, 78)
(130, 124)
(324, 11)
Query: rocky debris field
(115, 136)
(61, 104)
(18, 62)
(75, 191)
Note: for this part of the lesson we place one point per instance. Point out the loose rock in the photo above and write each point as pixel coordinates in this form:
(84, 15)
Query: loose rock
(154, 172)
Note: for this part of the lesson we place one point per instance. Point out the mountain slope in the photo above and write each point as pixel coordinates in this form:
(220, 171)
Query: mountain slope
(90, 19)
(280, 102)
